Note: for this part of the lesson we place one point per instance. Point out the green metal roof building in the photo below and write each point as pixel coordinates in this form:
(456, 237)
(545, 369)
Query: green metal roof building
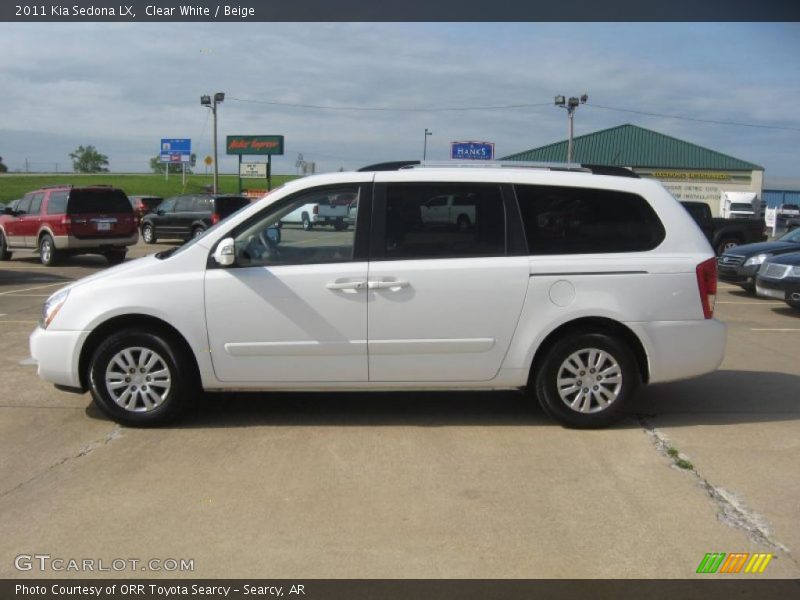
(689, 171)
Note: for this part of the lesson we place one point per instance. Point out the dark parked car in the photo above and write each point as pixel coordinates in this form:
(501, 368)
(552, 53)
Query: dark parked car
(739, 265)
(779, 277)
(724, 234)
(143, 205)
(185, 217)
(62, 220)
(792, 224)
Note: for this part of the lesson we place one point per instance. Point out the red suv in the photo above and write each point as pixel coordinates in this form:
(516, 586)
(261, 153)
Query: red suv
(62, 220)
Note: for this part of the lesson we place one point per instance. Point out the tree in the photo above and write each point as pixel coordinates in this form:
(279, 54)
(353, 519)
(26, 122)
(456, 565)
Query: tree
(88, 160)
(3, 167)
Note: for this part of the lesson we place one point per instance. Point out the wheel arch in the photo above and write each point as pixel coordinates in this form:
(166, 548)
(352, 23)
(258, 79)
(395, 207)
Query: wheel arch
(593, 325)
(139, 321)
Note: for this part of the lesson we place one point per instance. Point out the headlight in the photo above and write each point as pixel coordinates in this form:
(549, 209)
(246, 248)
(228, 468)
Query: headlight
(756, 260)
(795, 272)
(52, 306)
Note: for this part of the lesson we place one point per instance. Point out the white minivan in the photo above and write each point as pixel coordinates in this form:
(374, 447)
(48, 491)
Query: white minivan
(577, 287)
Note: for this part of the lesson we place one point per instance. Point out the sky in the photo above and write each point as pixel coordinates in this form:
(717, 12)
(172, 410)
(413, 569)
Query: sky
(123, 86)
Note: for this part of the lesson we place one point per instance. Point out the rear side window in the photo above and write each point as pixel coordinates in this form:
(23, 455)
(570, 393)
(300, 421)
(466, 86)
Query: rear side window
(185, 204)
(57, 204)
(421, 223)
(565, 220)
(225, 207)
(99, 200)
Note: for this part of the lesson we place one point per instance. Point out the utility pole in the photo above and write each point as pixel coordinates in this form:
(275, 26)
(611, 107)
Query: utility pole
(211, 102)
(425, 145)
(570, 105)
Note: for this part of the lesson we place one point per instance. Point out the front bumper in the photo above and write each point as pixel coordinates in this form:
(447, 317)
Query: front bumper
(682, 349)
(57, 354)
(737, 275)
(780, 289)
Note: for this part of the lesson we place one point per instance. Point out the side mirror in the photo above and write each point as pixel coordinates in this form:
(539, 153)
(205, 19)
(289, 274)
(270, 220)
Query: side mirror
(274, 235)
(160, 211)
(8, 211)
(224, 254)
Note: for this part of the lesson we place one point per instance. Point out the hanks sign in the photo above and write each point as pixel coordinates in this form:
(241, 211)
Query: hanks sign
(472, 150)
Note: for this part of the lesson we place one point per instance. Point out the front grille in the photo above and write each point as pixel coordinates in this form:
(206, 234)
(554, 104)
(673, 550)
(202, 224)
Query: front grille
(775, 271)
(730, 260)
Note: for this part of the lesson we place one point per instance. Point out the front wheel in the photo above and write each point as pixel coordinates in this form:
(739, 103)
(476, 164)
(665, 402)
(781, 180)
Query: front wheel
(141, 378)
(48, 255)
(587, 380)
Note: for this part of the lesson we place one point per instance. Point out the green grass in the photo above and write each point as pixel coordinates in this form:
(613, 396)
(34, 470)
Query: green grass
(16, 185)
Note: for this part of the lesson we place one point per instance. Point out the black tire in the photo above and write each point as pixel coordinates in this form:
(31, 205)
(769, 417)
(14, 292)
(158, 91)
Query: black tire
(795, 304)
(339, 225)
(115, 257)
(726, 244)
(197, 232)
(149, 234)
(48, 254)
(174, 399)
(4, 252)
(307, 224)
(463, 223)
(622, 392)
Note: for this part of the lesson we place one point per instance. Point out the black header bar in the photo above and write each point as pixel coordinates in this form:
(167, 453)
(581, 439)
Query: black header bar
(407, 10)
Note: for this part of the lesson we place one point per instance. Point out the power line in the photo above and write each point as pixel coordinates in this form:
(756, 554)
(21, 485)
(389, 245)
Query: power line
(391, 108)
(697, 120)
(509, 107)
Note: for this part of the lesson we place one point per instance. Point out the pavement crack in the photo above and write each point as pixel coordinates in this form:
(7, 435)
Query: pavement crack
(731, 509)
(83, 451)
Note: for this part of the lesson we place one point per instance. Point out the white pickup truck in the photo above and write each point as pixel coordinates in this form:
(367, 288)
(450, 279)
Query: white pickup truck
(328, 210)
(449, 210)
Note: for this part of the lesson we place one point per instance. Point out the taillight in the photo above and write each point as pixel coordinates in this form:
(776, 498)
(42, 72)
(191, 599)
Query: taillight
(66, 222)
(707, 285)
(215, 218)
(315, 210)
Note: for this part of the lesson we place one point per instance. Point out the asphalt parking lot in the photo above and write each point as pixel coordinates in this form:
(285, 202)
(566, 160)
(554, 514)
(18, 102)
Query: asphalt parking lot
(444, 485)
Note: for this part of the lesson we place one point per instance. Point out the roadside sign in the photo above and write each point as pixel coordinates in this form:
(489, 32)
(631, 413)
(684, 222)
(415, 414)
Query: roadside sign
(208, 160)
(176, 150)
(254, 144)
(472, 150)
(253, 170)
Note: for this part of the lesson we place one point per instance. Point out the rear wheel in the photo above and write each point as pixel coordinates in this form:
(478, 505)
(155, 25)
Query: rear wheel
(307, 224)
(339, 224)
(463, 223)
(48, 255)
(4, 253)
(115, 257)
(726, 244)
(149, 234)
(587, 380)
(141, 378)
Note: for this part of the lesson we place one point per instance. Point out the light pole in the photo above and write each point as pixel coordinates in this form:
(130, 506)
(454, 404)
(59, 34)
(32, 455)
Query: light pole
(570, 104)
(211, 102)
(425, 145)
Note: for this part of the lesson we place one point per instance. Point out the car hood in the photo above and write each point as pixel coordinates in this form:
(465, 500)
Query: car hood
(126, 268)
(786, 259)
(763, 248)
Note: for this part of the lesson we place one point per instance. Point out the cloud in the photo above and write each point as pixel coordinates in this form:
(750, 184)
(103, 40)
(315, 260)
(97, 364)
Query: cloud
(124, 86)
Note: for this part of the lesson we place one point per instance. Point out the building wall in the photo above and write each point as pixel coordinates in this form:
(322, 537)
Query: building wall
(705, 185)
(775, 198)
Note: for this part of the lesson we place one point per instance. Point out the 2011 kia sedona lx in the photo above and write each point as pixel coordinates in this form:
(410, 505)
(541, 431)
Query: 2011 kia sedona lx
(575, 286)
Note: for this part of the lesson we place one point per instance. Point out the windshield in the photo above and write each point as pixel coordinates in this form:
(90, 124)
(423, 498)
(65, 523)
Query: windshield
(178, 249)
(742, 206)
(792, 236)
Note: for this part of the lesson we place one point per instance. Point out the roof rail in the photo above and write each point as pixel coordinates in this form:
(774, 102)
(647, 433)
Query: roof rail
(500, 164)
(390, 166)
(55, 185)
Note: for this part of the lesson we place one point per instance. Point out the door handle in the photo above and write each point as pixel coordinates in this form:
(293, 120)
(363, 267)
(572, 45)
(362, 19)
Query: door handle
(386, 285)
(346, 285)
